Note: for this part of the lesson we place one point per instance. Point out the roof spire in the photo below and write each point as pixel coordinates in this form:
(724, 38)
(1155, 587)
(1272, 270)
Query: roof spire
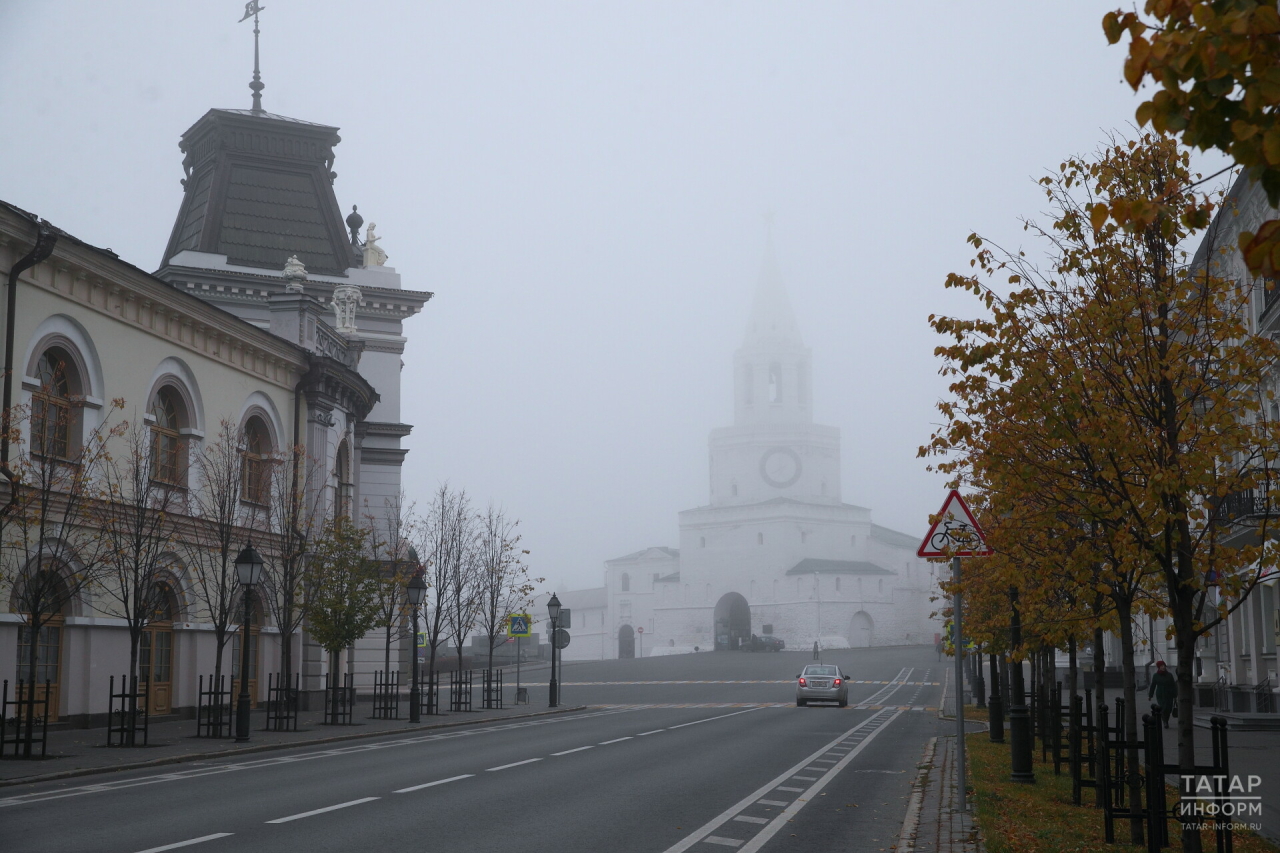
(253, 8)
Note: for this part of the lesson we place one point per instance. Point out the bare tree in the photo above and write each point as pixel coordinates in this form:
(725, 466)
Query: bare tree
(503, 580)
(445, 540)
(290, 517)
(389, 538)
(50, 552)
(138, 494)
(217, 533)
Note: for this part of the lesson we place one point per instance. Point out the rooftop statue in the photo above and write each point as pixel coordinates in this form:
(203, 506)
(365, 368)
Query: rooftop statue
(374, 256)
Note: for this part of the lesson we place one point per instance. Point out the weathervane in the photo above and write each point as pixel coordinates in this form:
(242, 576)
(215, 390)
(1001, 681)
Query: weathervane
(252, 8)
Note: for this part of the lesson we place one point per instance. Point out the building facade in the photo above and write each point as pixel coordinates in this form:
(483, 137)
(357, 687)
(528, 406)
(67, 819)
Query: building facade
(270, 317)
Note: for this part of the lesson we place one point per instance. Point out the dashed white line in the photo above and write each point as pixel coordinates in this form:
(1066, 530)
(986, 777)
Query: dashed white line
(749, 819)
(323, 810)
(186, 843)
(615, 740)
(785, 788)
(773, 803)
(433, 784)
(579, 749)
(727, 842)
(709, 719)
(512, 764)
(654, 732)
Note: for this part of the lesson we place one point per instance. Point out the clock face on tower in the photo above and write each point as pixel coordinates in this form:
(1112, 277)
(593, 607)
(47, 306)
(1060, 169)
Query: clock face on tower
(780, 467)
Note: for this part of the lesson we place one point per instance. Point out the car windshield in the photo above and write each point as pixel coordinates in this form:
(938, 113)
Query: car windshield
(820, 670)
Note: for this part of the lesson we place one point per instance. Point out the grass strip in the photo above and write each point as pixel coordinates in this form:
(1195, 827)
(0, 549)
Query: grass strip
(1039, 818)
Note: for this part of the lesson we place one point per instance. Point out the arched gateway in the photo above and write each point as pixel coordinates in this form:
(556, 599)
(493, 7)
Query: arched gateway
(732, 621)
(626, 642)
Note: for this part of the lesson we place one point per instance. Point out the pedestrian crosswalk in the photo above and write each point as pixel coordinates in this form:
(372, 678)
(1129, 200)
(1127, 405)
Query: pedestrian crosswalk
(640, 706)
(757, 681)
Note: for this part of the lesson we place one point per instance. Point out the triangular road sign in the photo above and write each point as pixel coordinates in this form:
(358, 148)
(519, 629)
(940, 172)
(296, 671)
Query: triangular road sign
(956, 533)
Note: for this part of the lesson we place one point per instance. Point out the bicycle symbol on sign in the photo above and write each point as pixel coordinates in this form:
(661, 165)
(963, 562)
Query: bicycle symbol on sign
(954, 535)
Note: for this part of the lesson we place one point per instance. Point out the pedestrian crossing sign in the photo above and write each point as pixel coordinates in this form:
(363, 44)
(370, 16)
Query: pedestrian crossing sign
(518, 625)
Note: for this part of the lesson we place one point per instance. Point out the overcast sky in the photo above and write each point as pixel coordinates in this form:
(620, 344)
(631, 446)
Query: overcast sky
(584, 187)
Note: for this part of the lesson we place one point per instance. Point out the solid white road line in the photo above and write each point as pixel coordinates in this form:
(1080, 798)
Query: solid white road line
(186, 843)
(709, 719)
(512, 764)
(433, 784)
(323, 810)
(875, 723)
(579, 749)
(615, 740)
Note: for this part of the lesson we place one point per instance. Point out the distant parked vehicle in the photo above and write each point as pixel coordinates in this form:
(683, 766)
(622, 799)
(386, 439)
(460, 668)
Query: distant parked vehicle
(769, 643)
(822, 683)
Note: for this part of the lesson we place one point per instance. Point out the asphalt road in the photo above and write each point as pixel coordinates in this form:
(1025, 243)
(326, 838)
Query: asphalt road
(654, 767)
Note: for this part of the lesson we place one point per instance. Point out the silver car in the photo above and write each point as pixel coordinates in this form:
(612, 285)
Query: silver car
(822, 682)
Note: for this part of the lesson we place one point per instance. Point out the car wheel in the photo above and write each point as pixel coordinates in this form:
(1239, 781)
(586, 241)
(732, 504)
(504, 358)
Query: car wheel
(844, 703)
(800, 703)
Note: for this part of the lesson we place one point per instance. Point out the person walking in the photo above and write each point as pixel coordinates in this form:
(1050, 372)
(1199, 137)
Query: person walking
(815, 649)
(1165, 690)
(937, 647)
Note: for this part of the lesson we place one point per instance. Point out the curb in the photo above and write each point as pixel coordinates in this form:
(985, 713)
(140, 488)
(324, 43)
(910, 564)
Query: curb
(911, 822)
(266, 747)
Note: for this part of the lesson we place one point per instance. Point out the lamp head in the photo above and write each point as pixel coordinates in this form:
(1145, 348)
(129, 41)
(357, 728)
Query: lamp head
(249, 566)
(553, 607)
(417, 589)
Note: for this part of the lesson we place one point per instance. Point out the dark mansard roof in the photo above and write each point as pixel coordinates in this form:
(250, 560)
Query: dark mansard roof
(259, 188)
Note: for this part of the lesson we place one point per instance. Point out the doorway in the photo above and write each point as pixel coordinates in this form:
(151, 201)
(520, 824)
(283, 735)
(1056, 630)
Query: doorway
(626, 642)
(861, 630)
(732, 622)
(155, 652)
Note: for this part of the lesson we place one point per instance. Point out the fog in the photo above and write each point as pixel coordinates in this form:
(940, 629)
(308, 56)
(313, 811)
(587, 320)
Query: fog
(585, 188)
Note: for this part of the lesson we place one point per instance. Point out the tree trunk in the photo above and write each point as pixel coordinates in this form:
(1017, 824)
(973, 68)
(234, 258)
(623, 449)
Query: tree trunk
(1099, 699)
(135, 638)
(33, 658)
(1132, 731)
(386, 654)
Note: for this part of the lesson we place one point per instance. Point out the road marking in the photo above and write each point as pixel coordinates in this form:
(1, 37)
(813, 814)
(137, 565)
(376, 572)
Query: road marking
(186, 843)
(654, 732)
(806, 778)
(874, 725)
(579, 749)
(621, 739)
(727, 842)
(433, 784)
(257, 764)
(721, 717)
(323, 810)
(749, 819)
(512, 764)
(773, 803)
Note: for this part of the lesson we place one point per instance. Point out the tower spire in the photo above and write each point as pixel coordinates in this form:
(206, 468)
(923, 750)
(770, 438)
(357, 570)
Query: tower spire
(253, 8)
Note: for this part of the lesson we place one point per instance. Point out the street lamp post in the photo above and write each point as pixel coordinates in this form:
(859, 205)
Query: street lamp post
(249, 571)
(553, 612)
(417, 591)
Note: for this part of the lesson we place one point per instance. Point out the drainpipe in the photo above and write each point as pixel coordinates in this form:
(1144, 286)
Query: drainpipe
(46, 238)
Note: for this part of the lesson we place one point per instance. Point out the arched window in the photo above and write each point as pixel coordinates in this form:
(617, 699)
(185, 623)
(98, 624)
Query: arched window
(256, 482)
(52, 416)
(167, 463)
(626, 582)
(775, 382)
(342, 505)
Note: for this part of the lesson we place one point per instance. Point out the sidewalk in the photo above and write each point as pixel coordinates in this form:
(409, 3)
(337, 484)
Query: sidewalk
(79, 752)
(933, 823)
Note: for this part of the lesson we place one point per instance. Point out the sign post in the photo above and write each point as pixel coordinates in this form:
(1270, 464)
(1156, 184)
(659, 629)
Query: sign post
(956, 534)
(519, 625)
(640, 636)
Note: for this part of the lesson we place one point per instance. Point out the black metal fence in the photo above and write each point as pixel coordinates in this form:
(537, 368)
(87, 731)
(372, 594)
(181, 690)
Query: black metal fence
(386, 695)
(339, 699)
(127, 714)
(213, 708)
(429, 703)
(282, 703)
(24, 720)
(491, 696)
(460, 682)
